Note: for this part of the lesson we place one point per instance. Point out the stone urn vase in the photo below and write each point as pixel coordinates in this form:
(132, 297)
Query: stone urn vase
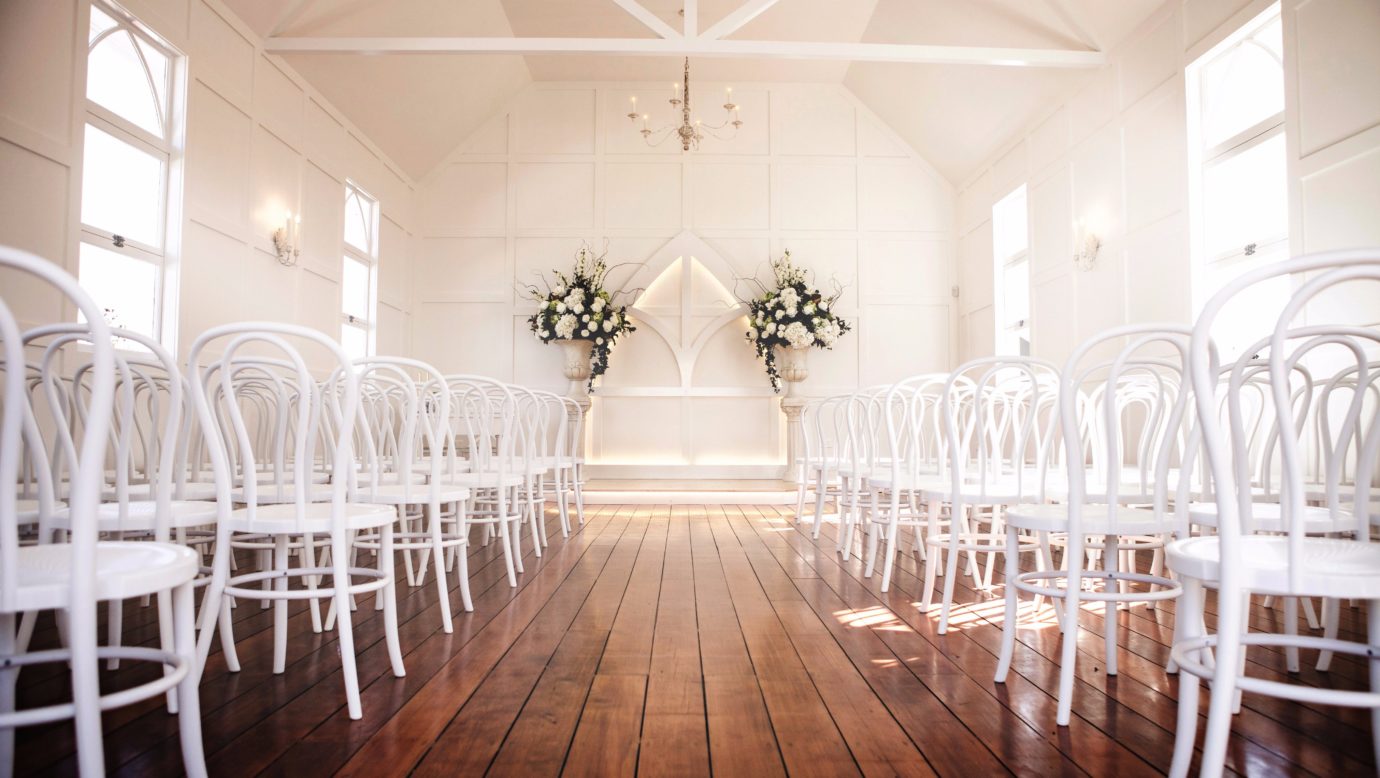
(577, 367)
(794, 366)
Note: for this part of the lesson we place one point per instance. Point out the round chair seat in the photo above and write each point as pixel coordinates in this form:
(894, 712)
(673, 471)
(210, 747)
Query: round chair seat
(192, 490)
(317, 519)
(139, 516)
(404, 494)
(1001, 492)
(1269, 517)
(270, 495)
(481, 480)
(923, 482)
(123, 570)
(1096, 521)
(1330, 567)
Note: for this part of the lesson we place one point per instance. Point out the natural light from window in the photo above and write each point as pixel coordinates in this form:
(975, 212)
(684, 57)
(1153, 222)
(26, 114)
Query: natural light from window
(1238, 175)
(127, 160)
(359, 273)
(1011, 272)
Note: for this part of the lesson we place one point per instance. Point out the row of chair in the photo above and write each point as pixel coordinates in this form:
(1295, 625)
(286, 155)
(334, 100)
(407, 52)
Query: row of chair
(1247, 474)
(270, 467)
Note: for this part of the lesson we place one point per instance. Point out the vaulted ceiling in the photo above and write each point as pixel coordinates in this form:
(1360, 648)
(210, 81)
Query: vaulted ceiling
(418, 107)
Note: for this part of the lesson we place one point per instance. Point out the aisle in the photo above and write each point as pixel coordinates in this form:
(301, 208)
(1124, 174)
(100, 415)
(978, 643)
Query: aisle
(685, 640)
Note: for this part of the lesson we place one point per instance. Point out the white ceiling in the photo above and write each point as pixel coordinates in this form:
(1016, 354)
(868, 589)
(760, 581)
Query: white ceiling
(417, 108)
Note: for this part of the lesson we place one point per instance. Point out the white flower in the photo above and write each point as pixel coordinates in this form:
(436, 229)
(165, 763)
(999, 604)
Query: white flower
(608, 325)
(565, 326)
(560, 307)
(791, 311)
(597, 305)
(780, 314)
(585, 317)
(770, 328)
(809, 309)
(578, 307)
(584, 333)
(600, 341)
(558, 291)
(827, 332)
(799, 335)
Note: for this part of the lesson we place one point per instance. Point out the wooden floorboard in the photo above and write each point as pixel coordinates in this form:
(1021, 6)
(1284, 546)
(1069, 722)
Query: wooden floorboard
(695, 640)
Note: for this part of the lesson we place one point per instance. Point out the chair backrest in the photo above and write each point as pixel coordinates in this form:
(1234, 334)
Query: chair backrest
(18, 424)
(911, 407)
(297, 407)
(998, 419)
(405, 409)
(1124, 414)
(1290, 344)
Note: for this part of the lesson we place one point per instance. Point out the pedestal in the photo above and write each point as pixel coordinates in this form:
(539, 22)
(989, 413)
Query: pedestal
(577, 425)
(794, 408)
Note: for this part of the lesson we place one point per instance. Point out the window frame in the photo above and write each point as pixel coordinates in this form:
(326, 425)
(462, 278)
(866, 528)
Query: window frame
(168, 150)
(1009, 334)
(369, 258)
(1202, 158)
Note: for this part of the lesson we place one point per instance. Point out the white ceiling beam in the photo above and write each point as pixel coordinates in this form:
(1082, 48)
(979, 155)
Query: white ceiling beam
(691, 9)
(736, 20)
(651, 20)
(1070, 20)
(857, 52)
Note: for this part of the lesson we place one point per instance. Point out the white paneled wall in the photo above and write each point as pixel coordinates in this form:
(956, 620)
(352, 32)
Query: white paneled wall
(1115, 154)
(258, 141)
(812, 171)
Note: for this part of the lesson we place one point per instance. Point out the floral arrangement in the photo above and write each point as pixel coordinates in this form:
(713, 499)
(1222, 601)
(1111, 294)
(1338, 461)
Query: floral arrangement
(791, 314)
(578, 307)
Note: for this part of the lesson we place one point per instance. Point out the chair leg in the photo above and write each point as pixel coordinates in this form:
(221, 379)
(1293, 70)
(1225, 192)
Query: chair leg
(1373, 635)
(389, 593)
(820, 491)
(9, 680)
(280, 607)
(1187, 626)
(1111, 623)
(1291, 627)
(344, 623)
(167, 641)
(83, 637)
(950, 574)
(188, 691)
(309, 560)
(442, 592)
(1069, 648)
(1013, 605)
(1331, 617)
(1226, 666)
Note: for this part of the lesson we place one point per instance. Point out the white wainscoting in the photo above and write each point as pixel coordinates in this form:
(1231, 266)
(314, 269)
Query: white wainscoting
(812, 171)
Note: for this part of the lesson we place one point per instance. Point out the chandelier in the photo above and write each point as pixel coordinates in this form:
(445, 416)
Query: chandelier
(690, 131)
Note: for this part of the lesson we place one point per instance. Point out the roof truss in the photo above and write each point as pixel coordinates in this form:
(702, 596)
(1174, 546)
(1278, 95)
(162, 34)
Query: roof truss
(691, 42)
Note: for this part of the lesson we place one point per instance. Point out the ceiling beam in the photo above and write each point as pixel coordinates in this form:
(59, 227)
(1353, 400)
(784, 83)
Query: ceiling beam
(857, 52)
(651, 20)
(735, 21)
(691, 10)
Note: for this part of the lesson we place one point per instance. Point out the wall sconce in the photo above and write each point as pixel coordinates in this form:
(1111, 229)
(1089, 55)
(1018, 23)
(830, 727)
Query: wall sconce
(1086, 246)
(286, 238)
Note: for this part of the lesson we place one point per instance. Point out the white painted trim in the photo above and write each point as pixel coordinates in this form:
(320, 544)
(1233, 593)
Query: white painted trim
(697, 47)
(736, 20)
(649, 19)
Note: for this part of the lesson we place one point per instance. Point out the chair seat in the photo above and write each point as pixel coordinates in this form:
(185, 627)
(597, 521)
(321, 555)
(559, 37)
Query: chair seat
(1095, 519)
(139, 516)
(404, 494)
(882, 478)
(1269, 517)
(999, 492)
(1330, 567)
(123, 570)
(282, 519)
(26, 511)
(192, 490)
(481, 480)
(271, 495)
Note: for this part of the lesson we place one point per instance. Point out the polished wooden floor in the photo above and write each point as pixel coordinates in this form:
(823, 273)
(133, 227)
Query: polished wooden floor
(690, 640)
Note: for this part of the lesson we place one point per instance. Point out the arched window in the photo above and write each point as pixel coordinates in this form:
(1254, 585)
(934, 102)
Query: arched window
(1240, 185)
(359, 273)
(126, 167)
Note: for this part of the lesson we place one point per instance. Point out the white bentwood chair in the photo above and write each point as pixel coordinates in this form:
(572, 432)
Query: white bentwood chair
(292, 515)
(1122, 422)
(73, 577)
(1288, 562)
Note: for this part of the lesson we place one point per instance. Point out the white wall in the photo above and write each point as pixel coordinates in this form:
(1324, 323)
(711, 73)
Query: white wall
(811, 171)
(259, 141)
(1117, 149)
